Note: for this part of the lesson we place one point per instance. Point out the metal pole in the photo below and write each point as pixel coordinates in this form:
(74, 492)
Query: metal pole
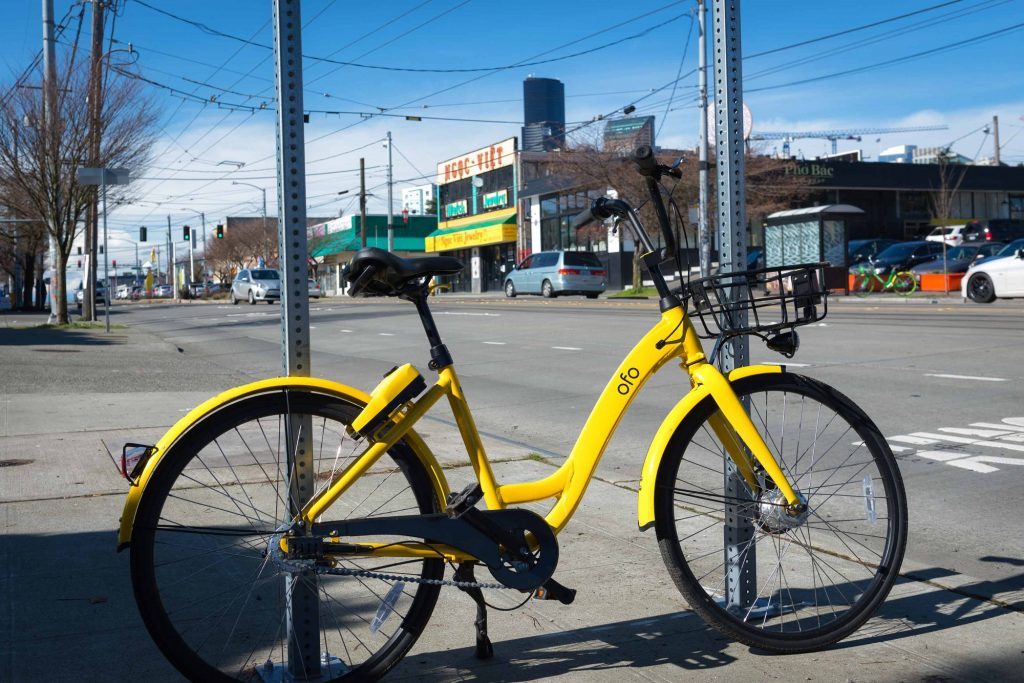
(106, 252)
(202, 216)
(51, 119)
(362, 203)
(191, 257)
(301, 588)
(264, 191)
(170, 261)
(703, 230)
(740, 550)
(995, 139)
(391, 229)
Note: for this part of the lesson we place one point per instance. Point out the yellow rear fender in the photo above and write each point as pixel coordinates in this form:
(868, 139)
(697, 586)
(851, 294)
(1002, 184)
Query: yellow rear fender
(206, 409)
(678, 415)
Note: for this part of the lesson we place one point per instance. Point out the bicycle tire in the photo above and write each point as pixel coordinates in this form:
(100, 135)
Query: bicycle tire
(212, 600)
(904, 283)
(830, 589)
(866, 284)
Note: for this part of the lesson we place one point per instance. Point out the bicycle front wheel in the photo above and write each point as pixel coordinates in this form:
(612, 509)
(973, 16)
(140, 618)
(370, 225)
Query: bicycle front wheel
(904, 283)
(772, 581)
(217, 599)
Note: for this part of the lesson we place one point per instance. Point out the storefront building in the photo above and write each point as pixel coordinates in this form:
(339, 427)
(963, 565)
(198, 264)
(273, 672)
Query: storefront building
(477, 218)
(898, 200)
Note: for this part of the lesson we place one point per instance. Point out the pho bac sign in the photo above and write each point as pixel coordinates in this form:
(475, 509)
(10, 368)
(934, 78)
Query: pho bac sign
(489, 158)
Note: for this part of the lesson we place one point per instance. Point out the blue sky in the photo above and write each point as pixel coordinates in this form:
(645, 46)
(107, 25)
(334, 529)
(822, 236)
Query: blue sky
(633, 48)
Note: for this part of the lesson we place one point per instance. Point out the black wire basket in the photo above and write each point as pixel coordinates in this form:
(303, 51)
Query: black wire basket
(759, 301)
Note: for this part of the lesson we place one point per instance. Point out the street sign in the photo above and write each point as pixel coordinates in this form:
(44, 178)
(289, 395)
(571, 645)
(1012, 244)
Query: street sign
(95, 176)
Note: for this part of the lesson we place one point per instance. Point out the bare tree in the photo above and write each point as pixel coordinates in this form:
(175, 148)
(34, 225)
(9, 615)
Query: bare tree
(944, 197)
(584, 164)
(39, 160)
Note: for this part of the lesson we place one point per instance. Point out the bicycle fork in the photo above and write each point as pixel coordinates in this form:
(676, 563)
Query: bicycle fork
(737, 433)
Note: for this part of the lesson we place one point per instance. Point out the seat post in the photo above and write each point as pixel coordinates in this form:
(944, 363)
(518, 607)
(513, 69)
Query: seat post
(439, 355)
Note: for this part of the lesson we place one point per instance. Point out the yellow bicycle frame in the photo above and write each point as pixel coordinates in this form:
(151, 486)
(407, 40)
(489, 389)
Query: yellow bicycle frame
(672, 337)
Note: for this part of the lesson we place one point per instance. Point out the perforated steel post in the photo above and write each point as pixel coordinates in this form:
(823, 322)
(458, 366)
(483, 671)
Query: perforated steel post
(301, 589)
(740, 557)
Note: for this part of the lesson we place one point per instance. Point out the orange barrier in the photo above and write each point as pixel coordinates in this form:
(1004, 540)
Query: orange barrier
(933, 282)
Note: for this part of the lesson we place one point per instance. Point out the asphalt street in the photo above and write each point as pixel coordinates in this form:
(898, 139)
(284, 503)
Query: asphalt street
(941, 380)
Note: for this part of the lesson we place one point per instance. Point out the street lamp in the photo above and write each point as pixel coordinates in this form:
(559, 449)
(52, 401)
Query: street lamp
(264, 191)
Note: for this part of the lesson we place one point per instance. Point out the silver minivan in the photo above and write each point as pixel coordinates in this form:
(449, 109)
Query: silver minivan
(257, 284)
(550, 273)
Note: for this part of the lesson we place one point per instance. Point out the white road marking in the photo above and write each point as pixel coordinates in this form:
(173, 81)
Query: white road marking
(312, 327)
(789, 365)
(970, 377)
(1006, 425)
(912, 440)
(983, 433)
(1007, 435)
(567, 348)
(970, 442)
(346, 330)
(495, 343)
(485, 315)
(386, 334)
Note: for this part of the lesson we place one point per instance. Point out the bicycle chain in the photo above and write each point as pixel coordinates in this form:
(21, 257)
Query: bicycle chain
(301, 566)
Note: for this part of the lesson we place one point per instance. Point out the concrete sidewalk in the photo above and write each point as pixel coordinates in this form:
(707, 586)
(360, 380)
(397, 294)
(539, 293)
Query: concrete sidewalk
(67, 613)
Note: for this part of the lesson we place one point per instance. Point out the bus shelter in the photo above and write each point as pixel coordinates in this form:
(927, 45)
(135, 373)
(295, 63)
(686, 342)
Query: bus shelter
(811, 235)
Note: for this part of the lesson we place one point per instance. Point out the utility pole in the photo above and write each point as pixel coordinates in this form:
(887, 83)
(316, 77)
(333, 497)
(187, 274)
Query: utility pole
(95, 114)
(362, 203)
(391, 227)
(170, 259)
(703, 230)
(202, 217)
(995, 138)
(52, 119)
(191, 258)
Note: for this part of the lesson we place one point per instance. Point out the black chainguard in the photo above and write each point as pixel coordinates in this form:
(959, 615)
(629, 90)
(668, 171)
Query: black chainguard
(464, 574)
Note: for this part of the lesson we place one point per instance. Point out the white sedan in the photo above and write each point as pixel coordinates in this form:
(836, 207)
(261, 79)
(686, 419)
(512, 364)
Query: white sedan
(1001, 277)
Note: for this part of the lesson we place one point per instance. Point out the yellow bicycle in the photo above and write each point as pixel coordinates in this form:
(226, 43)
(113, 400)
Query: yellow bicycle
(300, 525)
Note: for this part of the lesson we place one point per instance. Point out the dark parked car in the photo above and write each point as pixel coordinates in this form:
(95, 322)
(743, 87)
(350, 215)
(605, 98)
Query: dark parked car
(1007, 250)
(997, 230)
(901, 256)
(958, 259)
(862, 250)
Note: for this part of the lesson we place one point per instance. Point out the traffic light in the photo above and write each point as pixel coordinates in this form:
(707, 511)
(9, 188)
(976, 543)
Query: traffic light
(186, 233)
(220, 231)
(114, 263)
(142, 234)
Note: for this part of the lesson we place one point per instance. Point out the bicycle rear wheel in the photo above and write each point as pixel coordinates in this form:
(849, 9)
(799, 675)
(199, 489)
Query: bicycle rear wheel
(766, 579)
(864, 283)
(209, 589)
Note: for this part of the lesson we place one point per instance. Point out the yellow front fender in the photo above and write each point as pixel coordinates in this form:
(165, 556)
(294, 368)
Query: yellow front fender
(649, 474)
(317, 386)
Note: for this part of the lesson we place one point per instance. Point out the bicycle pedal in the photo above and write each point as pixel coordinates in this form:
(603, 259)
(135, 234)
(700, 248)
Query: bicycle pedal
(552, 590)
(466, 499)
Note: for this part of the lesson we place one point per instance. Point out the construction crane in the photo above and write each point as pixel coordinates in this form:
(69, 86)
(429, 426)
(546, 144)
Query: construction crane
(834, 135)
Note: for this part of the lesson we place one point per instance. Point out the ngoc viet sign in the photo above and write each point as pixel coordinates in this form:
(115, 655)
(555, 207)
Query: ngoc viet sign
(489, 158)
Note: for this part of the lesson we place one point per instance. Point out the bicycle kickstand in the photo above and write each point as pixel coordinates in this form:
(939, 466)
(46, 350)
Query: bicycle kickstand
(464, 573)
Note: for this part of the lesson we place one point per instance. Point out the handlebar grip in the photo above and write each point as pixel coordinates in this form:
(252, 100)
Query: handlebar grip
(581, 219)
(646, 164)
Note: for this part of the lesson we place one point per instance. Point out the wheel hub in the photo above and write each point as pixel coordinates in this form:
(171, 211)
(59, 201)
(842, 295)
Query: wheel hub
(775, 516)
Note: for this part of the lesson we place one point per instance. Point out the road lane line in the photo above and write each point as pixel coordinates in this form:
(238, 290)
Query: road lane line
(970, 377)
(347, 331)
(992, 425)
(789, 365)
(913, 440)
(567, 348)
(495, 343)
(386, 334)
(970, 442)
